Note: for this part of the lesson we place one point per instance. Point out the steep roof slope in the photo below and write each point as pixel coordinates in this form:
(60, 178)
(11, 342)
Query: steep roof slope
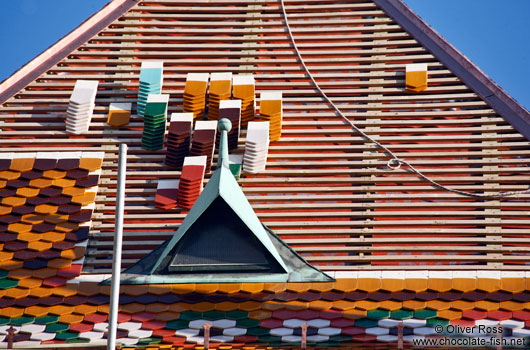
(340, 207)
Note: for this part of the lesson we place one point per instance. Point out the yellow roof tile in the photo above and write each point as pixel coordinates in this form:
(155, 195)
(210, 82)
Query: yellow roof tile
(36, 311)
(29, 237)
(345, 285)
(320, 305)
(85, 309)
(321, 287)
(39, 246)
(298, 287)
(513, 285)
(159, 289)
(90, 164)
(438, 305)
(183, 288)
(391, 305)
(4, 210)
(54, 174)
(462, 305)
(416, 284)
(118, 118)
(251, 287)
(259, 315)
(40, 183)
(464, 284)
(29, 283)
(84, 199)
(274, 287)
(27, 192)
(46, 209)
(8, 264)
(22, 164)
(354, 314)
(40, 292)
(32, 219)
(450, 315)
(13, 201)
(9, 175)
(272, 305)
(71, 318)
(16, 293)
(56, 218)
(3, 183)
(343, 305)
(440, 284)
(53, 237)
(367, 305)
(206, 288)
(64, 291)
(369, 284)
(11, 312)
(510, 305)
(229, 288)
(392, 284)
(64, 182)
(414, 304)
(19, 228)
(104, 309)
(486, 305)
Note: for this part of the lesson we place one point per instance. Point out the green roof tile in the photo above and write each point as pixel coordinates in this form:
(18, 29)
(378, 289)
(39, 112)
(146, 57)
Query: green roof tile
(269, 339)
(214, 315)
(257, 331)
(366, 323)
(401, 314)
(4, 274)
(340, 338)
(149, 340)
(425, 314)
(65, 335)
(7, 283)
(177, 324)
(57, 327)
(247, 323)
(378, 314)
(236, 315)
(48, 319)
(76, 340)
(436, 321)
(4, 321)
(20, 321)
(190, 315)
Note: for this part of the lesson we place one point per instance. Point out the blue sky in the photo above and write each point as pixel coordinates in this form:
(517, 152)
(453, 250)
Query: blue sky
(494, 34)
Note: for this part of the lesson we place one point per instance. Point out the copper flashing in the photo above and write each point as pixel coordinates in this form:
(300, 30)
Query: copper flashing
(460, 65)
(62, 48)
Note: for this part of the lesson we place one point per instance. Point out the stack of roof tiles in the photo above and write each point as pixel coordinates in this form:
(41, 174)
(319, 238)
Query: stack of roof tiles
(256, 147)
(270, 109)
(191, 181)
(81, 106)
(155, 119)
(151, 79)
(195, 94)
(178, 138)
(220, 89)
(203, 140)
(243, 88)
(231, 110)
(416, 77)
(166, 194)
(119, 114)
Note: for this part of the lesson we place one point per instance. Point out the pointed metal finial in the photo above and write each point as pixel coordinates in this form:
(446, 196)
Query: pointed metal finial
(223, 126)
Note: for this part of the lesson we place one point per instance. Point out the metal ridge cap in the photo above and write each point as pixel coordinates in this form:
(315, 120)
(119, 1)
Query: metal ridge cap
(63, 47)
(511, 110)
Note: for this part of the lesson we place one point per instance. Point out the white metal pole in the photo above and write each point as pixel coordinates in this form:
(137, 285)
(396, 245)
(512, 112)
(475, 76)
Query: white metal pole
(116, 260)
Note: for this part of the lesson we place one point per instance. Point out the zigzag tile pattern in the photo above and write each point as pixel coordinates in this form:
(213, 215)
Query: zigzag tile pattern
(349, 313)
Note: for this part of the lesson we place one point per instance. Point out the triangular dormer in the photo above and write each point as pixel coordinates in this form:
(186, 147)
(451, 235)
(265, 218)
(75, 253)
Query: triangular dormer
(222, 240)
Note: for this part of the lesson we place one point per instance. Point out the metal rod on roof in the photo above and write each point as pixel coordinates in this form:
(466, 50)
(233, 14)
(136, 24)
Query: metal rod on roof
(116, 259)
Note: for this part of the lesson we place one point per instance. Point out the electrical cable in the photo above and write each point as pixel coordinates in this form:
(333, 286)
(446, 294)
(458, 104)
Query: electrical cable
(394, 162)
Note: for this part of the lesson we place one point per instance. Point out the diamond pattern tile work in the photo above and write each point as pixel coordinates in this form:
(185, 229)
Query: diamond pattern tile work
(220, 89)
(151, 79)
(195, 94)
(243, 88)
(179, 138)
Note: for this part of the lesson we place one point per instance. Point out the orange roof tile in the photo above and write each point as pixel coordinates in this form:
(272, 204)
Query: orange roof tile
(22, 164)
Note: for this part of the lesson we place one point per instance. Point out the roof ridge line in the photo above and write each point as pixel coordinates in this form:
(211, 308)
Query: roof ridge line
(487, 89)
(63, 47)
